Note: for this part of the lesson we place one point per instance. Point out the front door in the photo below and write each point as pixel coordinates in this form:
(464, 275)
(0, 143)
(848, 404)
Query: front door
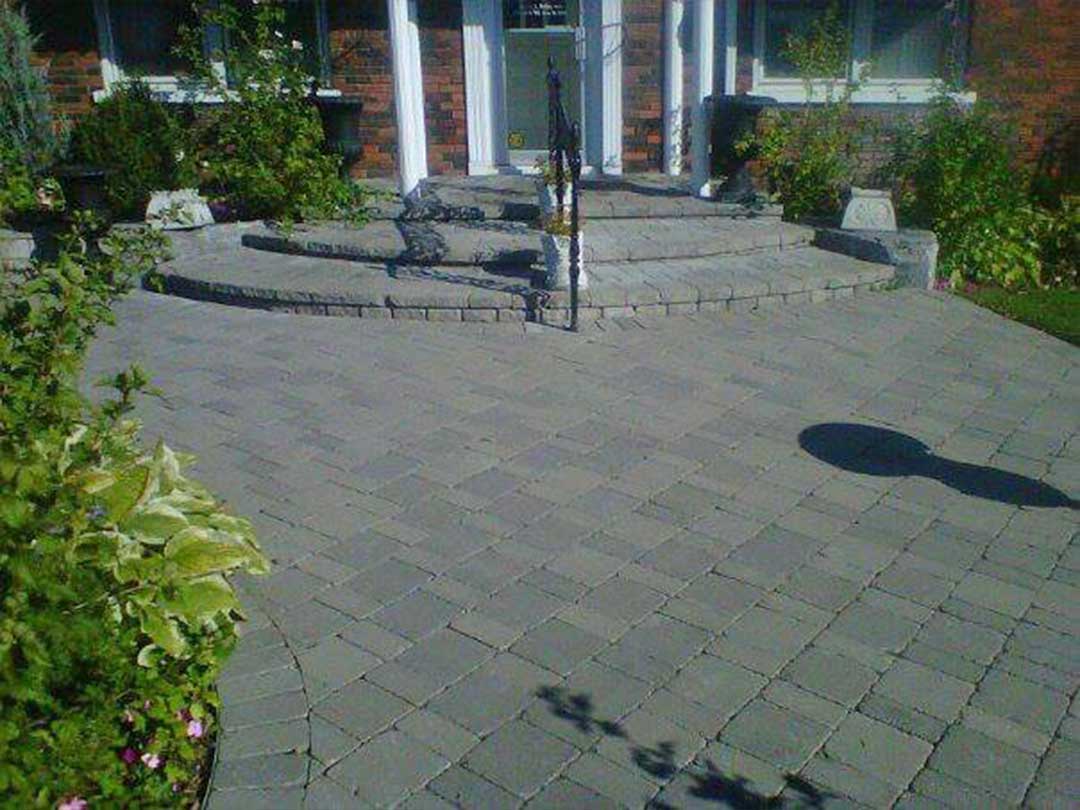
(535, 31)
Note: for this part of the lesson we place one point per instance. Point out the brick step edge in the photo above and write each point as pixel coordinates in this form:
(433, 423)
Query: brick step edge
(538, 306)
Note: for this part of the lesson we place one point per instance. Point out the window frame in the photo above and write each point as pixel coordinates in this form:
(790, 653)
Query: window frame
(870, 91)
(173, 88)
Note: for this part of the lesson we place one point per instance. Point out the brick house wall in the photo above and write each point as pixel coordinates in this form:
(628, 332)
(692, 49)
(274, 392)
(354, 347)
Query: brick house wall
(361, 67)
(443, 65)
(643, 85)
(68, 54)
(1022, 56)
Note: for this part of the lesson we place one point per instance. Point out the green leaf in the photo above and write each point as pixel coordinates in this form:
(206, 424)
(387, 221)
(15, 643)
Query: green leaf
(196, 552)
(162, 630)
(155, 524)
(203, 598)
(131, 486)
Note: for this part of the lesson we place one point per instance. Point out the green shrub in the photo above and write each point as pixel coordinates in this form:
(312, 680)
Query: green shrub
(808, 154)
(16, 182)
(115, 610)
(25, 118)
(955, 173)
(263, 149)
(142, 143)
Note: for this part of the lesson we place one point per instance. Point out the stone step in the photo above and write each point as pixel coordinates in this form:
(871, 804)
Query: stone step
(243, 277)
(487, 243)
(514, 198)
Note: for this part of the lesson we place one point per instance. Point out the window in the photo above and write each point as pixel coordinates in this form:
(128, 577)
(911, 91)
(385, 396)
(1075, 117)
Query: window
(136, 38)
(786, 17)
(144, 34)
(908, 39)
(303, 23)
(903, 45)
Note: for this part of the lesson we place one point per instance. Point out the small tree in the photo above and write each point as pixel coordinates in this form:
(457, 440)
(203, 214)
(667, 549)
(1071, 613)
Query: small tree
(264, 149)
(25, 117)
(809, 153)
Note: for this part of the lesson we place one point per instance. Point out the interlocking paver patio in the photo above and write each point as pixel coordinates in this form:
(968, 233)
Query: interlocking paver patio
(518, 565)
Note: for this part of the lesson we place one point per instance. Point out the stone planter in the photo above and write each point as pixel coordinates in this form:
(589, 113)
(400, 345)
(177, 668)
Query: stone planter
(16, 249)
(178, 210)
(548, 200)
(557, 262)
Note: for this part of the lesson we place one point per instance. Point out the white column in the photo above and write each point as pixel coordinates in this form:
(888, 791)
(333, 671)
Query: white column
(731, 45)
(704, 41)
(612, 102)
(408, 95)
(486, 121)
(673, 87)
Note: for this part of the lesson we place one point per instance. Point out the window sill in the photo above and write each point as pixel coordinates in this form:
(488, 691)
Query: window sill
(175, 95)
(911, 91)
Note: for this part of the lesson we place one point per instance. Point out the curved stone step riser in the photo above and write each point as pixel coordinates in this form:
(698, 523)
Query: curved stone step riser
(809, 276)
(508, 247)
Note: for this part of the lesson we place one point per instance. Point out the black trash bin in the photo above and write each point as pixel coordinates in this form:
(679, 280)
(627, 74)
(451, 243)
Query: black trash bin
(734, 118)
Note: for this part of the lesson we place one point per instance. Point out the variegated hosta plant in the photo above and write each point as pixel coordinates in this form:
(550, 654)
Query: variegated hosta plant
(170, 545)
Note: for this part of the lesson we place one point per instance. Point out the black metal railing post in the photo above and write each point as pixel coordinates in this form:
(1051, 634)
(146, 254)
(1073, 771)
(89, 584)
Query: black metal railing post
(575, 222)
(564, 152)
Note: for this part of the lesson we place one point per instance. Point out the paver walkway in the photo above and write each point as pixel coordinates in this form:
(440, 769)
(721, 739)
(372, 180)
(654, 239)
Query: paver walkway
(825, 554)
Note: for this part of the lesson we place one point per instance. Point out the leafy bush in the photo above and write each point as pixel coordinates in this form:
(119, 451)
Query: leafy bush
(263, 149)
(25, 119)
(115, 612)
(141, 142)
(16, 182)
(809, 154)
(956, 173)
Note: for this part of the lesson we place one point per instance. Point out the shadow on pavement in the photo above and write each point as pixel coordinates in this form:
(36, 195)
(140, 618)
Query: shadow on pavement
(707, 782)
(870, 450)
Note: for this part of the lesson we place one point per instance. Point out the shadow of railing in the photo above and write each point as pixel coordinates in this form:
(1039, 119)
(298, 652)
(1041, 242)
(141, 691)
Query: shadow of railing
(869, 450)
(659, 761)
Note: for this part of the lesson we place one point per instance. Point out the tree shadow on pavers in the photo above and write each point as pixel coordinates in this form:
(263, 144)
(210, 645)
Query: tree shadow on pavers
(869, 450)
(659, 761)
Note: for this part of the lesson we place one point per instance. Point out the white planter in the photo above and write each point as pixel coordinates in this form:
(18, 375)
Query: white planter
(557, 262)
(548, 199)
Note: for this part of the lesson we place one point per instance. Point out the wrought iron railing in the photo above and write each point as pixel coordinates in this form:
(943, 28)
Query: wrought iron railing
(564, 155)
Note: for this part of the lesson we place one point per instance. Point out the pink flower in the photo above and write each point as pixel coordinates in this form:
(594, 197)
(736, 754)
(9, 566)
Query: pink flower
(177, 787)
(130, 756)
(146, 704)
(129, 718)
(74, 803)
(151, 761)
(195, 728)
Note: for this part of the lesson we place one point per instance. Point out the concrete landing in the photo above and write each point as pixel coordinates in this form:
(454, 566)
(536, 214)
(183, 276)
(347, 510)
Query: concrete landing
(513, 197)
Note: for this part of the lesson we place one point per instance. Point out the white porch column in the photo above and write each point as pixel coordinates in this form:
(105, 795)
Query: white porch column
(704, 36)
(485, 118)
(408, 94)
(731, 45)
(612, 102)
(673, 87)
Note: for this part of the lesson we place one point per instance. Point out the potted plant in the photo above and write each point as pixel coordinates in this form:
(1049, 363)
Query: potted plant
(547, 189)
(556, 242)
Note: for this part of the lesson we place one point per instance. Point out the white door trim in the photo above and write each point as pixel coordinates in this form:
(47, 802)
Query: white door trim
(485, 86)
(482, 32)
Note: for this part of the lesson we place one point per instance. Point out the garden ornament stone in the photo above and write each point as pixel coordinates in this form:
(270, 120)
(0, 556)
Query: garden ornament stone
(178, 210)
(869, 210)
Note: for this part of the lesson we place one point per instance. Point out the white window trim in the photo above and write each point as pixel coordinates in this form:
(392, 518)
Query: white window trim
(172, 89)
(871, 91)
